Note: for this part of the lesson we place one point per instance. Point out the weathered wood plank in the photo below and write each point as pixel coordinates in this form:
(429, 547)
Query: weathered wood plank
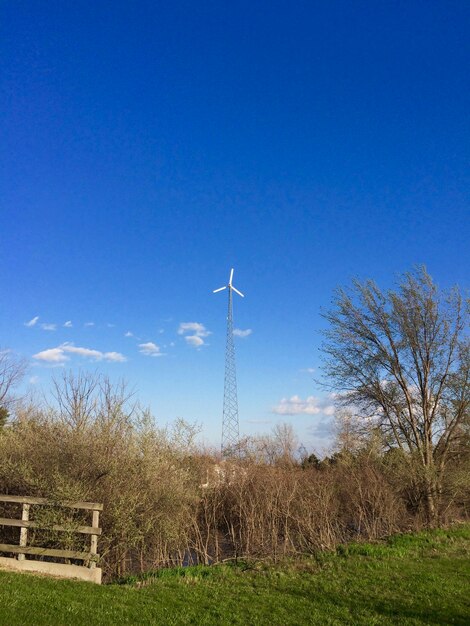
(94, 538)
(84, 530)
(24, 530)
(87, 506)
(64, 554)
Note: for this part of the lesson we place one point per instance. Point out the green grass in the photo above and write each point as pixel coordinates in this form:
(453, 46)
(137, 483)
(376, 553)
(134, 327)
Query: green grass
(410, 579)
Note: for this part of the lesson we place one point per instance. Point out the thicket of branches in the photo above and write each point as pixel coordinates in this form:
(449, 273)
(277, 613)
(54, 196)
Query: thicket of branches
(166, 503)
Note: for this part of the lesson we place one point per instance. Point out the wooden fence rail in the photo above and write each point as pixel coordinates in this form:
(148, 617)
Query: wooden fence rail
(87, 571)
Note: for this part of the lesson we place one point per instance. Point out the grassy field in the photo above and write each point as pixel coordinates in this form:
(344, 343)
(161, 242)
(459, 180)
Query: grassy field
(410, 579)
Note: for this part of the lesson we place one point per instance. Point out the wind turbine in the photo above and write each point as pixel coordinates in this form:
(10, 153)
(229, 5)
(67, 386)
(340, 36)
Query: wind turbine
(230, 426)
(229, 286)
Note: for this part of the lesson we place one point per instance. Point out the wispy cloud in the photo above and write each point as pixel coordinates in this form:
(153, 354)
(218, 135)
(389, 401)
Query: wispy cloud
(310, 406)
(238, 332)
(86, 352)
(150, 349)
(194, 340)
(115, 357)
(34, 380)
(128, 334)
(323, 428)
(32, 322)
(48, 326)
(89, 324)
(52, 355)
(195, 327)
(60, 354)
(68, 324)
(95, 355)
(308, 370)
(196, 335)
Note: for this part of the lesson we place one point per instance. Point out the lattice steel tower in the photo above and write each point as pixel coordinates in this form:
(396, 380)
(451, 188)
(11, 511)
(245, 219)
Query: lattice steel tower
(230, 428)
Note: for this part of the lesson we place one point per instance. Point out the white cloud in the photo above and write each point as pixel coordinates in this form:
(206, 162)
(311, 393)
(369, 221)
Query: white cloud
(310, 406)
(32, 322)
(194, 327)
(194, 340)
(48, 326)
(60, 354)
(89, 324)
(53, 355)
(242, 333)
(115, 357)
(150, 349)
(199, 331)
(128, 334)
(68, 324)
(34, 380)
(85, 352)
(96, 355)
(308, 370)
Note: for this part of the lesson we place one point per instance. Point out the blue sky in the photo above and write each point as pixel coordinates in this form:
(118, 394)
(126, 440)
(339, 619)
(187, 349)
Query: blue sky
(148, 147)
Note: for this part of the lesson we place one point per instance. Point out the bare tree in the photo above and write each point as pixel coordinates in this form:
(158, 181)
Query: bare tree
(402, 360)
(276, 448)
(83, 398)
(12, 370)
(76, 397)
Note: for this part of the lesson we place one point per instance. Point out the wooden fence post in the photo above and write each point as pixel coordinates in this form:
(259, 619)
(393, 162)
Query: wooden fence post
(24, 531)
(94, 539)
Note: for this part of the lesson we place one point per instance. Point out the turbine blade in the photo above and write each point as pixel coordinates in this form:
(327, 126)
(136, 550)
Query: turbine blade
(219, 289)
(231, 276)
(236, 291)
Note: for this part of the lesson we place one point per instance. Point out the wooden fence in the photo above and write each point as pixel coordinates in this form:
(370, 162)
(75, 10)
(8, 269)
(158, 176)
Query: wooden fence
(88, 571)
